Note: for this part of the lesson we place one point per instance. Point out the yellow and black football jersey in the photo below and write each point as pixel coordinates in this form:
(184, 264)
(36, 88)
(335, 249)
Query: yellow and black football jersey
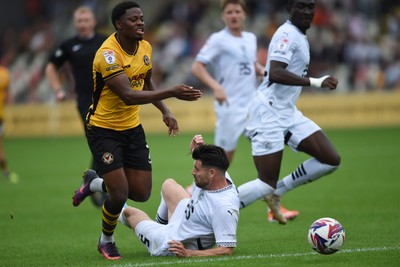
(108, 110)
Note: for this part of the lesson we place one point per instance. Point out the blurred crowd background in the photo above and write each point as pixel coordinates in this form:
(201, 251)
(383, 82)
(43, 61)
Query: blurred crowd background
(356, 40)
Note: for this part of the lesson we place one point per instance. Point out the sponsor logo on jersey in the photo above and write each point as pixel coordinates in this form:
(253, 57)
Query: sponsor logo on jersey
(113, 67)
(109, 57)
(137, 81)
(76, 47)
(233, 213)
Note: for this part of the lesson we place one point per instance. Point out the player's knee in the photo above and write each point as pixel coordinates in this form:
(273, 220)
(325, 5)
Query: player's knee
(333, 160)
(140, 196)
(129, 211)
(336, 161)
(168, 183)
(118, 197)
(331, 168)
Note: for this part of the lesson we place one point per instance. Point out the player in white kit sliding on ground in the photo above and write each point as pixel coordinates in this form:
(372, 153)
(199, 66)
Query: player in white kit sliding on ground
(203, 225)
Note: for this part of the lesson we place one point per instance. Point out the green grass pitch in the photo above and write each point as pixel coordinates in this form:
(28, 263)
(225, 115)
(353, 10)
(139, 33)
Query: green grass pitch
(40, 227)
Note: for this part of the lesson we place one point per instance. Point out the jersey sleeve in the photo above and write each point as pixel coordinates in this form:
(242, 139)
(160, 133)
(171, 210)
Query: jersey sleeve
(60, 55)
(107, 63)
(224, 223)
(210, 50)
(283, 47)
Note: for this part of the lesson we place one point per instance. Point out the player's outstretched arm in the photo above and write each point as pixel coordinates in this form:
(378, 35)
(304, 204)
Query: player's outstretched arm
(182, 91)
(180, 251)
(279, 74)
(120, 85)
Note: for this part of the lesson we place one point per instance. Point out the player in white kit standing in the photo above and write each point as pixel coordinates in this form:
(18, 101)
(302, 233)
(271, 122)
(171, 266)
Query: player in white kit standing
(227, 64)
(231, 53)
(274, 119)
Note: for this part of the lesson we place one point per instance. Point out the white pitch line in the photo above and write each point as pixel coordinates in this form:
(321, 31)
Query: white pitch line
(260, 256)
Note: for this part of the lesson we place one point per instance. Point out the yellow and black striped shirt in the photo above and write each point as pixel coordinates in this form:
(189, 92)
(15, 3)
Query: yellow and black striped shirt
(108, 110)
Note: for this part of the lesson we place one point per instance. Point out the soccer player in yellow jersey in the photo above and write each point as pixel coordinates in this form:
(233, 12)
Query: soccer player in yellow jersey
(122, 71)
(4, 84)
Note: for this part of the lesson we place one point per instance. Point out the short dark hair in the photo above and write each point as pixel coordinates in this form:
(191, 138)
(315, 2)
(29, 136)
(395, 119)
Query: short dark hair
(120, 9)
(211, 155)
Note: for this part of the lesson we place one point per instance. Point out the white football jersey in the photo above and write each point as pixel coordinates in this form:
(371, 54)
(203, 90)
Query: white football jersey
(291, 46)
(210, 218)
(232, 60)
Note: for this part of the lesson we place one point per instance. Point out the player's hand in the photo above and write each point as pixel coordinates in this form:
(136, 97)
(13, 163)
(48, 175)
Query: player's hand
(172, 123)
(330, 82)
(220, 95)
(178, 249)
(60, 95)
(197, 140)
(186, 92)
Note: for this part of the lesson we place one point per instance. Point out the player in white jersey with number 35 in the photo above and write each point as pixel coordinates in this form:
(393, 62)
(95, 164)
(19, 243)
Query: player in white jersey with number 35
(203, 225)
(274, 119)
(227, 64)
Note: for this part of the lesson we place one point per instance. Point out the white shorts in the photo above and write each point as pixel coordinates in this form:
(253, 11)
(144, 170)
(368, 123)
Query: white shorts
(230, 125)
(155, 236)
(269, 133)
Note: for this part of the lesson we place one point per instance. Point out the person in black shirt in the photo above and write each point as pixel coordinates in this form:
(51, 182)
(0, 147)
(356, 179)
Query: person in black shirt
(79, 52)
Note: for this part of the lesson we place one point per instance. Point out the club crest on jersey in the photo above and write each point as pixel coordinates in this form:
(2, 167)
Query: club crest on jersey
(283, 43)
(109, 56)
(107, 158)
(146, 60)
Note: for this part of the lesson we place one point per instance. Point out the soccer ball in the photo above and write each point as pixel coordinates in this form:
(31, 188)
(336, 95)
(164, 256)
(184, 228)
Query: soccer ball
(326, 235)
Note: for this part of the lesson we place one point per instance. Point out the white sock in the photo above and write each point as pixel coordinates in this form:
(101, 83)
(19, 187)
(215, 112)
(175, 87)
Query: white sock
(104, 239)
(252, 191)
(96, 185)
(310, 170)
(162, 212)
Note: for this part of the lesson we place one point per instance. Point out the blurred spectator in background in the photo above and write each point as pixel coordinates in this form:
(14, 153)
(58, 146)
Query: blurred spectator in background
(180, 28)
(34, 44)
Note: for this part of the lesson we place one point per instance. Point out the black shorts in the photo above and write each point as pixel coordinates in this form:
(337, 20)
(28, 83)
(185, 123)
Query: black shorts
(112, 149)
